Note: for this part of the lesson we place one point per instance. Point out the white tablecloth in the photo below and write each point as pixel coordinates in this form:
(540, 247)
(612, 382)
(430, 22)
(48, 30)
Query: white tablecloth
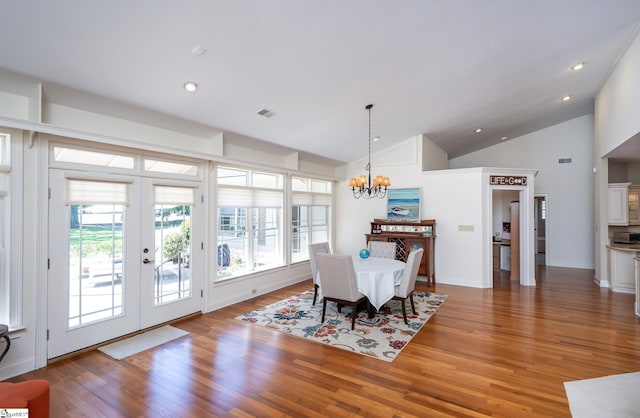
(377, 278)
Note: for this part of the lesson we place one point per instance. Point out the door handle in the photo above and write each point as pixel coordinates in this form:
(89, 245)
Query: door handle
(147, 261)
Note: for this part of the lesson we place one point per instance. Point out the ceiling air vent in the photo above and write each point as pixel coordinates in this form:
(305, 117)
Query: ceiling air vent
(564, 161)
(266, 113)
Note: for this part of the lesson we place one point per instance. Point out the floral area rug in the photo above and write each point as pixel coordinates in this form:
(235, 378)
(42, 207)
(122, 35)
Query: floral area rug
(382, 337)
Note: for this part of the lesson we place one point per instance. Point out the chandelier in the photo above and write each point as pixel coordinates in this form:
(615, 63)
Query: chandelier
(363, 186)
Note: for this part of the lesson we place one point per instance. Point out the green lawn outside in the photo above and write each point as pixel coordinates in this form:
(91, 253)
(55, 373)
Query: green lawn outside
(96, 240)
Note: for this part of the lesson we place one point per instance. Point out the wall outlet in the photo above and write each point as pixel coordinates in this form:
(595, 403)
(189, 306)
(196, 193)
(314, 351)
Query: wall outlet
(254, 291)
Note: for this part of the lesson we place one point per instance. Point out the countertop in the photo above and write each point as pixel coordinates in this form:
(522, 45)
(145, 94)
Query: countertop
(624, 247)
(507, 242)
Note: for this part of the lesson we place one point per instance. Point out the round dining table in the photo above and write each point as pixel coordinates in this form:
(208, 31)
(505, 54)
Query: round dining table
(377, 278)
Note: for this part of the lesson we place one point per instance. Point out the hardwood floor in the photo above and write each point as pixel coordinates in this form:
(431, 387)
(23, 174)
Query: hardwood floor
(504, 351)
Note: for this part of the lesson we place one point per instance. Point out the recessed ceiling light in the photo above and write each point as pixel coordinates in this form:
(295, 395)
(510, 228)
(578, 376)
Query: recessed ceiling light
(578, 66)
(504, 138)
(191, 86)
(375, 138)
(478, 130)
(566, 98)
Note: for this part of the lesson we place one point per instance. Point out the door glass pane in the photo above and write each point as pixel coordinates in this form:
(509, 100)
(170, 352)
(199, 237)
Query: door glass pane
(173, 253)
(95, 263)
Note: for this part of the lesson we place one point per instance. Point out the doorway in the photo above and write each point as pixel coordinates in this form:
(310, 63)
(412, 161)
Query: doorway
(501, 227)
(124, 254)
(540, 229)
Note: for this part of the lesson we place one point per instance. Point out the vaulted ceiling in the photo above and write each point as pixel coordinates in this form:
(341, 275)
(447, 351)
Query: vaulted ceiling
(434, 67)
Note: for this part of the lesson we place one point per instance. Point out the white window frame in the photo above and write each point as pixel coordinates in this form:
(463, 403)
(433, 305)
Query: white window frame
(247, 196)
(12, 218)
(140, 159)
(308, 199)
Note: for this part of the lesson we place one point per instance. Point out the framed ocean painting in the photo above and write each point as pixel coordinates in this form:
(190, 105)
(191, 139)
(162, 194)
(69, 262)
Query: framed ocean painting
(403, 204)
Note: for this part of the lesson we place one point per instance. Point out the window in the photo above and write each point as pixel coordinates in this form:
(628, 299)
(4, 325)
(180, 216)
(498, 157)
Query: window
(63, 155)
(167, 167)
(249, 221)
(10, 214)
(310, 215)
(6, 287)
(67, 154)
(173, 208)
(95, 249)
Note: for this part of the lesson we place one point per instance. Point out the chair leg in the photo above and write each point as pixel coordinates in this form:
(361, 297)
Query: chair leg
(413, 308)
(324, 308)
(6, 349)
(354, 314)
(404, 313)
(315, 293)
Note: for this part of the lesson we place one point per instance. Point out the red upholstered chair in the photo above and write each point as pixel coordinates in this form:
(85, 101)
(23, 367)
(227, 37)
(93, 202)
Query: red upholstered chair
(31, 394)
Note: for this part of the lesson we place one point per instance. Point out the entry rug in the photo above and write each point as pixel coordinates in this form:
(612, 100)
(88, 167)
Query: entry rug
(141, 342)
(382, 337)
(609, 396)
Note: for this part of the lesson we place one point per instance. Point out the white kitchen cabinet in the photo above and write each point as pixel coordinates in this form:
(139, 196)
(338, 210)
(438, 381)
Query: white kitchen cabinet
(622, 270)
(505, 257)
(619, 203)
(634, 204)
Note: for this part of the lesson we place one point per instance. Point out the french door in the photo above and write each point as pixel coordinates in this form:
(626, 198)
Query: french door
(124, 254)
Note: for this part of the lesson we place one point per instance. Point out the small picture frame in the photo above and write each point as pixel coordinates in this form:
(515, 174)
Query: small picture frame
(403, 204)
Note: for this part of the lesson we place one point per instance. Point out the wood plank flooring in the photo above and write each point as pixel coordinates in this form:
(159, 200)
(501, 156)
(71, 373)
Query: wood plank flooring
(504, 351)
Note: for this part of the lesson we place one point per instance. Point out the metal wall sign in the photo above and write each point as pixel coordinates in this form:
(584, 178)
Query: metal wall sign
(508, 180)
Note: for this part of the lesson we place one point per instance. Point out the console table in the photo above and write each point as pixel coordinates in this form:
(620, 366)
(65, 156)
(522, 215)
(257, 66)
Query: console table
(408, 235)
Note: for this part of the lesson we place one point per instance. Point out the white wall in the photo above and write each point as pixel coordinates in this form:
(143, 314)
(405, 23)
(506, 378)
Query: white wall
(462, 202)
(403, 165)
(617, 107)
(353, 216)
(618, 102)
(455, 197)
(433, 157)
(569, 187)
(228, 292)
(14, 106)
(133, 134)
(459, 200)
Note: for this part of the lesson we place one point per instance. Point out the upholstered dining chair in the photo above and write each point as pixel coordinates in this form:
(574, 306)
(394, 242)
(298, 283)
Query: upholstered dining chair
(321, 247)
(382, 249)
(407, 284)
(339, 283)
